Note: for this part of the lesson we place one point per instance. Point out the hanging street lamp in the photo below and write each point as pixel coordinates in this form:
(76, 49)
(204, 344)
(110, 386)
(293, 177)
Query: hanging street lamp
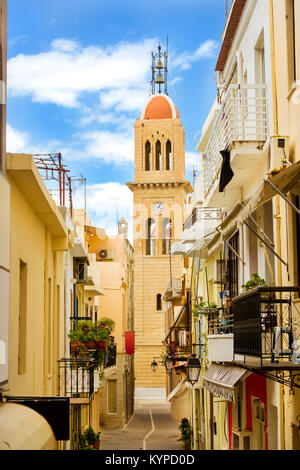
(193, 367)
(154, 365)
(168, 364)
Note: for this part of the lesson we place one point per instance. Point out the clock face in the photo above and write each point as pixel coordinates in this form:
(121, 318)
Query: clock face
(158, 207)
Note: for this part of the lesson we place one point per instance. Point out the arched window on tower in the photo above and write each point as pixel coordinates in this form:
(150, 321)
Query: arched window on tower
(147, 156)
(158, 156)
(168, 155)
(150, 237)
(158, 302)
(167, 235)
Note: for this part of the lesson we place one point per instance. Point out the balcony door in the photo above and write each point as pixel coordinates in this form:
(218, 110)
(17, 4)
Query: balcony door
(233, 266)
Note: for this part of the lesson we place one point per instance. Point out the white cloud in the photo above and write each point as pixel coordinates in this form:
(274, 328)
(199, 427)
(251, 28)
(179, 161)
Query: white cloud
(193, 159)
(16, 141)
(67, 70)
(206, 50)
(106, 204)
(111, 147)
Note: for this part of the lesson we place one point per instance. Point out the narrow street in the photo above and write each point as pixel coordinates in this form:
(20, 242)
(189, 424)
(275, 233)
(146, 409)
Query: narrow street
(151, 428)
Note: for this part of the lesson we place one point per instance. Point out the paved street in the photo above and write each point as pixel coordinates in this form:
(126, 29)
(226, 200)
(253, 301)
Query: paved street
(151, 428)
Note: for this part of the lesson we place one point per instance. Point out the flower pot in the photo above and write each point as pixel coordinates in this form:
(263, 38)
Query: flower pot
(96, 444)
(173, 346)
(101, 345)
(90, 345)
(75, 345)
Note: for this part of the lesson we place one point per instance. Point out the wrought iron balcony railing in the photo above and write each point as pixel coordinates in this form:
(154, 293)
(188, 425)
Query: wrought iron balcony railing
(76, 377)
(265, 326)
(207, 215)
(220, 322)
(243, 116)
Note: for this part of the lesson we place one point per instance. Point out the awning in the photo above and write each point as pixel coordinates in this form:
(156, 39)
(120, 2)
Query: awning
(283, 181)
(178, 390)
(222, 380)
(22, 428)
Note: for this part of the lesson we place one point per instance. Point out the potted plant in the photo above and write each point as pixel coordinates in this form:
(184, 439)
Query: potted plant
(102, 338)
(89, 440)
(85, 325)
(255, 281)
(106, 322)
(186, 434)
(90, 340)
(76, 339)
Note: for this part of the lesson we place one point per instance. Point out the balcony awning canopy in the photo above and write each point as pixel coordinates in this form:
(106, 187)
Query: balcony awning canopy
(94, 290)
(282, 182)
(222, 380)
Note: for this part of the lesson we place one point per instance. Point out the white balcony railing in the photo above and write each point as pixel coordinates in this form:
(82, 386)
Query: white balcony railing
(242, 117)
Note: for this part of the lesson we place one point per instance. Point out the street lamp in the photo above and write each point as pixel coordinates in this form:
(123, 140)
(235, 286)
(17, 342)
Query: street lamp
(154, 365)
(193, 368)
(168, 364)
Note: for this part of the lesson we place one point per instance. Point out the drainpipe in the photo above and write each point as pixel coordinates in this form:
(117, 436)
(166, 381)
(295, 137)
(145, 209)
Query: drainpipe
(277, 215)
(279, 276)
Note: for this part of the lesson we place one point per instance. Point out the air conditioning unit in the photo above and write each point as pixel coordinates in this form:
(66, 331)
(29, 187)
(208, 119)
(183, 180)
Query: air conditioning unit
(104, 255)
(219, 271)
(82, 273)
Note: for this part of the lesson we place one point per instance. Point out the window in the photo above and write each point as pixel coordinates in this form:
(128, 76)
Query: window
(167, 236)
(158, 156)
(150, 237)
(168, 155)
(291, 40)
(111, 396)
(231, 274)
(147, 156)
(22, 318)
(158, 302)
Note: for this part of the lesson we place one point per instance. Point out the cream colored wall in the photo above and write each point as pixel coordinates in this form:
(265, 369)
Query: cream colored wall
(32, 243)
(4, 275)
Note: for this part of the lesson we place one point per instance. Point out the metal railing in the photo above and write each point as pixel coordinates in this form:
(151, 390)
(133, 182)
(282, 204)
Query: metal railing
(220, 322)
(76, 377)
(243, 116)
(264, 326)
(203, 214)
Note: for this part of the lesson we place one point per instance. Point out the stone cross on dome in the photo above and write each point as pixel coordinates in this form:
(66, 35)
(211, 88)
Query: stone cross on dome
(159, 70)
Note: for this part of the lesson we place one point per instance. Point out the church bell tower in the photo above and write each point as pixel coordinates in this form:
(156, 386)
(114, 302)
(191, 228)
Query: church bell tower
(159, 197)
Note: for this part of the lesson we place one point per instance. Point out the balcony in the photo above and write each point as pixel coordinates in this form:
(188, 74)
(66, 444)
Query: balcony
(242, 126)
(76, 379)
(265, 328)
(220, 335)
(200, 223)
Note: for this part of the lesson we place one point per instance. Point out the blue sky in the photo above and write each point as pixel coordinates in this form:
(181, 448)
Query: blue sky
(78, 75)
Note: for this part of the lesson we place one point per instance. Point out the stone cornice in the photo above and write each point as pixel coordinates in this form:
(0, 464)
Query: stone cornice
(160, 184)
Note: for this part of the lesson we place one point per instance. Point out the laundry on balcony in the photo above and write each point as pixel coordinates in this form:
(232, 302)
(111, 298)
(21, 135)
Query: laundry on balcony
(226, 174)
(222, 380)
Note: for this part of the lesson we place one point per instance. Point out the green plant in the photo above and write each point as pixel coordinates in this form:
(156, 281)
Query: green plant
(88, 439)
(255, 281)
(106, 322)
(186, 433)
(203, 304)
(76, 335)
(102, 334)
(85, 325)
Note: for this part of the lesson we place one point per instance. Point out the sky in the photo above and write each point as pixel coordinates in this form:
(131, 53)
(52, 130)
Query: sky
(79, 75)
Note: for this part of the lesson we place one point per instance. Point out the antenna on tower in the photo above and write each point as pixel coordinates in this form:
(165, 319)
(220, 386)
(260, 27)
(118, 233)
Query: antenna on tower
(159, 65)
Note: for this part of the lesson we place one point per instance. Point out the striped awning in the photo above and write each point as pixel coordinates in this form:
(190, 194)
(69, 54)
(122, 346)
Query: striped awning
(222, 380)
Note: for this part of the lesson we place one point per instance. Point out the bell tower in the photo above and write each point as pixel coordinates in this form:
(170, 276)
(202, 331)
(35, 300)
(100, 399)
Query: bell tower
(159, 197)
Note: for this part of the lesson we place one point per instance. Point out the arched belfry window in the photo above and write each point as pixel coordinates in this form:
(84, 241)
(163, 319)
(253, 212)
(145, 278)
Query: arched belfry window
(168, 155)
(158, 156)
(167, 235)
(150, 236)
(147, 156)
(158, 302)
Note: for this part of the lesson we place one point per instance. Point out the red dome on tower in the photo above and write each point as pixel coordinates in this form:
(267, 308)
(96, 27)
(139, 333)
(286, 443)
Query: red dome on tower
(160, 106)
